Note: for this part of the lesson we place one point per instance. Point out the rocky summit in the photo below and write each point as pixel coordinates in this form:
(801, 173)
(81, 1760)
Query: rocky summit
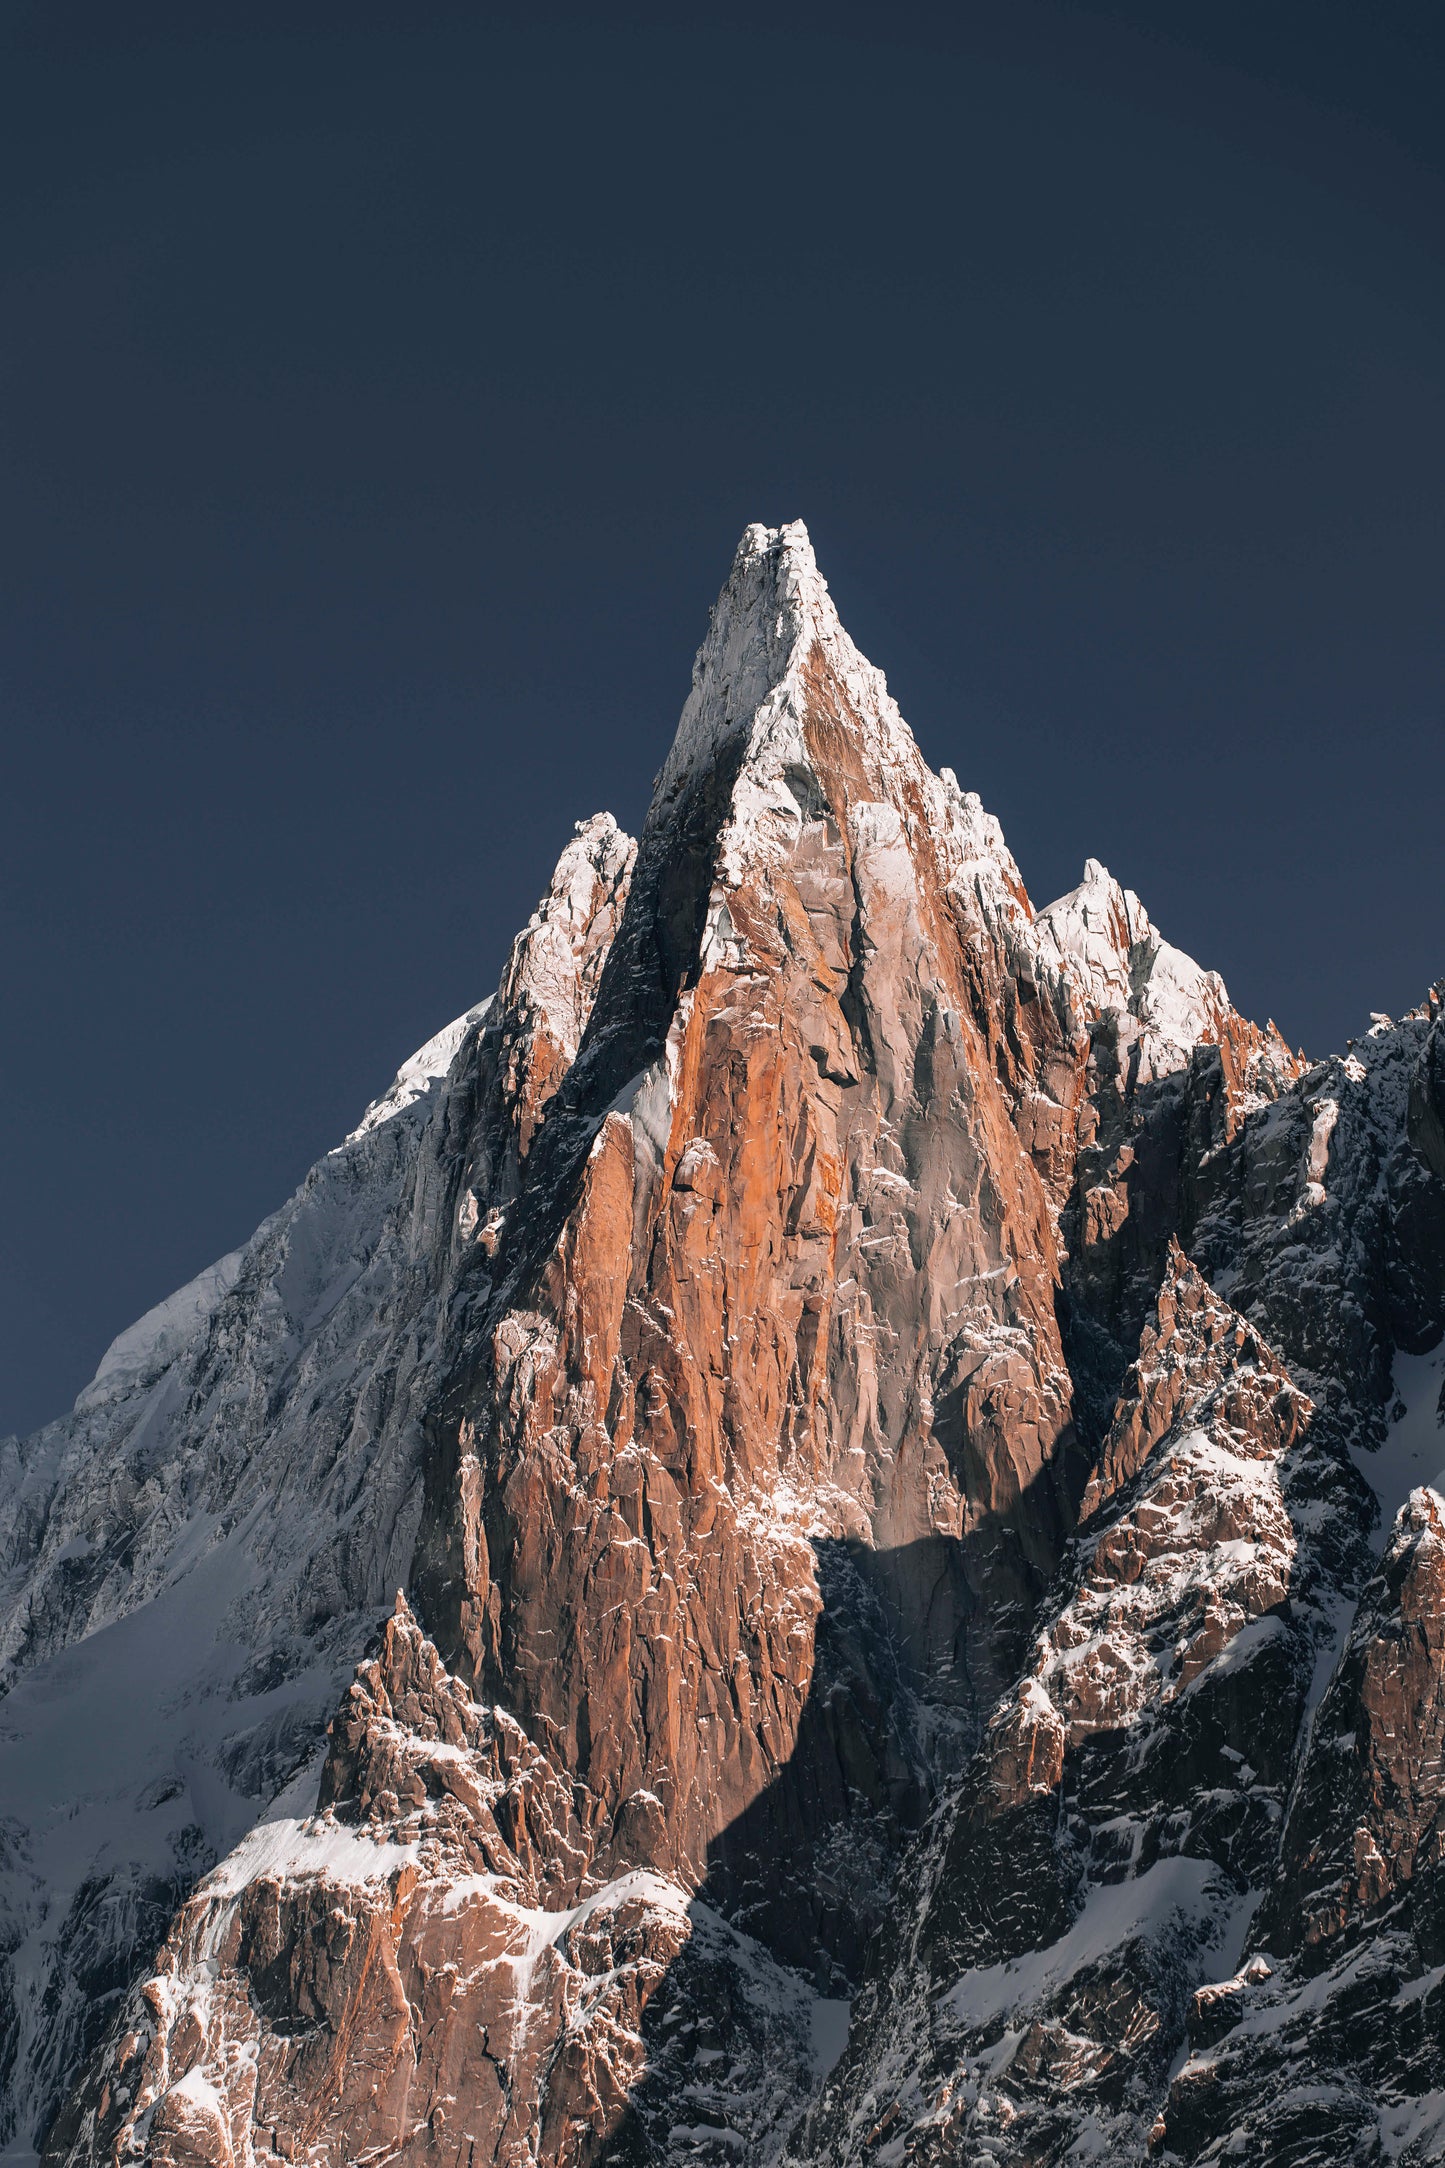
(820, 1543)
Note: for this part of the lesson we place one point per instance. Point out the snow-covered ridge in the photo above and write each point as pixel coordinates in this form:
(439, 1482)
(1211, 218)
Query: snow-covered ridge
(416, 1076)
(243, 1461)
(557, 957)
(1102, 935)
(164, 1332)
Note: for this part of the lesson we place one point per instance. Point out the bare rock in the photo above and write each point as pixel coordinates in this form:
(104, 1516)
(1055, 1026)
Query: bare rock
(870, 1391)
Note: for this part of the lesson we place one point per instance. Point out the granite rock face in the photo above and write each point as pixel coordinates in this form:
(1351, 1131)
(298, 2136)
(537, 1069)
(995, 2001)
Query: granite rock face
(781, 1275)
(886, 1400)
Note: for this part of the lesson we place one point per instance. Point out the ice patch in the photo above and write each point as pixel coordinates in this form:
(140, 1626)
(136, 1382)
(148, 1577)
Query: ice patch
(626, 1098)
(830, 2033)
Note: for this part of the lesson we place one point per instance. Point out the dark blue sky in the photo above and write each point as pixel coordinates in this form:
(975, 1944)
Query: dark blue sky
(383, 399)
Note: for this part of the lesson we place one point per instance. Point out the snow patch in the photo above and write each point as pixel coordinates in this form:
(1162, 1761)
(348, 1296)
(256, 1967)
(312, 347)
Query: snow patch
(1413, 1453)
(1410, 2122)
(287, 1849)
(416, 1076)
(1175, 1895)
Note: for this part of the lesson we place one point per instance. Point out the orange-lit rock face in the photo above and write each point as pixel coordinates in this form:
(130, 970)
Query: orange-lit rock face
(805, 1285)
(822, 1425)
(393, 1976)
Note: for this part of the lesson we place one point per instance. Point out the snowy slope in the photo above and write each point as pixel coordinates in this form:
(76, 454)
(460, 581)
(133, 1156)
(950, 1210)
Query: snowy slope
(194, 1557)
(192, 1561)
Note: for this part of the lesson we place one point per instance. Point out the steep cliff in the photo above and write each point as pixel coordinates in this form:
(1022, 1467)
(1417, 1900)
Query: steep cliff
(865, 1387)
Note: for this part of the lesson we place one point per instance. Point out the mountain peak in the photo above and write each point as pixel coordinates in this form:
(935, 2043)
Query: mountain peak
(774, 606)
(1103, 934)
(790, 541)
(713, 1342)
(786, 716)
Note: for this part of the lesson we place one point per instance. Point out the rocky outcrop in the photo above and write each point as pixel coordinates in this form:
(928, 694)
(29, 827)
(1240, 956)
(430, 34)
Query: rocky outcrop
(218, 1522)
(1126, 1790)
(1426, 1120)
(387, 1975)
(1329, 2042)
(888, 1390)
(1173, 1073)
(1321, 1217)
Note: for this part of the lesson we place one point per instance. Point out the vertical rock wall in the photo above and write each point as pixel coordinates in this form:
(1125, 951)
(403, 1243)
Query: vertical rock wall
(886, 1514)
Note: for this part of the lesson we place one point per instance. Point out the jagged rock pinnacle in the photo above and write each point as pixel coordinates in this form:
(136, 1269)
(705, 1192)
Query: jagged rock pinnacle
(871, 1391)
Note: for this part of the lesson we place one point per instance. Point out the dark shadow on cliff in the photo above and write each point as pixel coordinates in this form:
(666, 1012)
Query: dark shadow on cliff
(1005, 1885)
(1129, 1198)
(653, 959)
(913, 1647)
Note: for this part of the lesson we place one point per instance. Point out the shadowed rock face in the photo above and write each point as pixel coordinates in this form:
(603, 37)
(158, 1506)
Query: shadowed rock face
(856, 1553)
(1128, 1787)
(1199, 1833)
(1331, 2035)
